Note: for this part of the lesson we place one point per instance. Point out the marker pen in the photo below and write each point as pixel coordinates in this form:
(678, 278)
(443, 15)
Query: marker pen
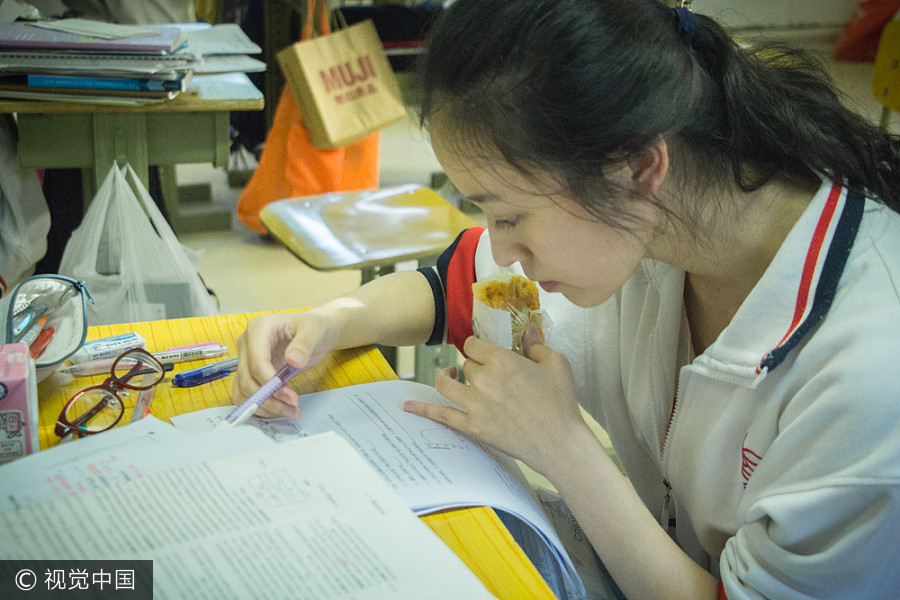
(40, 344)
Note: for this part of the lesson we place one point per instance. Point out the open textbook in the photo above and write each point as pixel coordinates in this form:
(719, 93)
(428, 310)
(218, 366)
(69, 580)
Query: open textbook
(306, 519)
(430, 466)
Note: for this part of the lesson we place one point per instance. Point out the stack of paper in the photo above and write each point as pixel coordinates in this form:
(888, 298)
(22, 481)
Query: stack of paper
(91, 61)
(431, 467)
(308, 519)
(428, 466)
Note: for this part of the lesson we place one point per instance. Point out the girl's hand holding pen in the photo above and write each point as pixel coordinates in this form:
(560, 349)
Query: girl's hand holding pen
(301, 339)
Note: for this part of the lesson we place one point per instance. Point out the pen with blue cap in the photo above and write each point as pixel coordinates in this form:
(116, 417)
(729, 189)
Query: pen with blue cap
(205, 374)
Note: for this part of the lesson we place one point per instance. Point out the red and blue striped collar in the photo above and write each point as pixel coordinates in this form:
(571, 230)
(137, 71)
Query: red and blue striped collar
(825, 261)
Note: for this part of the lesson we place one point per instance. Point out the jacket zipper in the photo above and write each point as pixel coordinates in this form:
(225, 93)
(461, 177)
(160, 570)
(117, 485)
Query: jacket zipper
(666, 515)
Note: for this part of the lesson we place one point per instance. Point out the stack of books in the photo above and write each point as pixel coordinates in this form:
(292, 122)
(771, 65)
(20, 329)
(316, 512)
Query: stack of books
(91, 61)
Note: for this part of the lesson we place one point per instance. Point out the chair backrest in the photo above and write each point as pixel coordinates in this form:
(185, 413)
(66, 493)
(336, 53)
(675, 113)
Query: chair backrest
(886, 77)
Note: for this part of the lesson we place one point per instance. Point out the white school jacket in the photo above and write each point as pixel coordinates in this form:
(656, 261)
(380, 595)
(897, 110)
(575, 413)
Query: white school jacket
(782, 451)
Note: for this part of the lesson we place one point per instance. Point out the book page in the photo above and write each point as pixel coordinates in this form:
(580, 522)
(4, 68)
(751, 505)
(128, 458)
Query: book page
(228, 63)
(430, 466)
(303, 519)
(122, 454)
(224, 86)
(224, 38)
(93, 28)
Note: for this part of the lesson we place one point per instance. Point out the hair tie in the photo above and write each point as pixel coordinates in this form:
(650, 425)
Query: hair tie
(687, 25)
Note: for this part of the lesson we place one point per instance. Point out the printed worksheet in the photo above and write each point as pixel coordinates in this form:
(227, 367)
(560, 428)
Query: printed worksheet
(430, 466)
(119, 455)
(304, 519)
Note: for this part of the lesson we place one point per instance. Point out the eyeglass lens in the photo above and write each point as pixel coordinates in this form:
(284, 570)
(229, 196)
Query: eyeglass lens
(137, 371)
(99, 408)
(94, 410)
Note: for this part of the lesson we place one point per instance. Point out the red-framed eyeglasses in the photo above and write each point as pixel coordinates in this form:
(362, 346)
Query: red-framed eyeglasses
(100, 407)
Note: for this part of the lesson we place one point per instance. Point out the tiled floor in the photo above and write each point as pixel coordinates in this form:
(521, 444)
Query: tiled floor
(250, 273)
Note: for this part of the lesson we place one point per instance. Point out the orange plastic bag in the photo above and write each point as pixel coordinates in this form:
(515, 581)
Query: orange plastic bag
(291, 167)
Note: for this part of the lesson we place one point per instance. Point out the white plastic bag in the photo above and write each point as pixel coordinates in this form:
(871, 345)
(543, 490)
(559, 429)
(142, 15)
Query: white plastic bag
(130, 259)
(24, 216)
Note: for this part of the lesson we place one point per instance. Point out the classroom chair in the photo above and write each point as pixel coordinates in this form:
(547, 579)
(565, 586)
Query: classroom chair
(372, 231)
(886, 77)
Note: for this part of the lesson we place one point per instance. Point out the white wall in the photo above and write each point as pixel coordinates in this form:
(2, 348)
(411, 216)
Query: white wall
(778, 13)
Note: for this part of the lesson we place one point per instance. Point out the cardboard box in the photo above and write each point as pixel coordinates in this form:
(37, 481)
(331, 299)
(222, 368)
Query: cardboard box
(18, 403)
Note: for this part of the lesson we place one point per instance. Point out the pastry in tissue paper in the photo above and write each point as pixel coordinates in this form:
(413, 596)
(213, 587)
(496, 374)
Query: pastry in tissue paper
(504, 305)
(499, 291)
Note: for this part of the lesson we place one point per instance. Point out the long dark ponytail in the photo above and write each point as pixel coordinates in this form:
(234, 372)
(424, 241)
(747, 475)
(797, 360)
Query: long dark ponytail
(785, 116)
(573, 86)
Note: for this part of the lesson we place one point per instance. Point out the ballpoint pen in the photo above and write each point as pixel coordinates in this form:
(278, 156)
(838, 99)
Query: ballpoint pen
(142, 406)
(205, 374)
(249, 406)
(98, 367)
(188, 354)
(94, 367)
(204, 345)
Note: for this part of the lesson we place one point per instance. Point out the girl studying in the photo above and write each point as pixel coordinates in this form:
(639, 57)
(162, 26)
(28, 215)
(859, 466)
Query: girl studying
(717, 242)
